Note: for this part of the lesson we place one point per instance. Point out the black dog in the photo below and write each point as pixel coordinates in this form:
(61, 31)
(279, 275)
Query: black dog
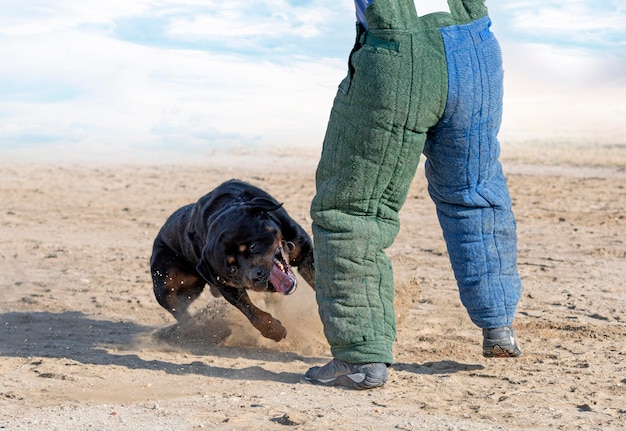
(236, 237)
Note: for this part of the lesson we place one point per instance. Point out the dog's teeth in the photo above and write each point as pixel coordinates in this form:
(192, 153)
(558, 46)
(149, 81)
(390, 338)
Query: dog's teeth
(281, 265)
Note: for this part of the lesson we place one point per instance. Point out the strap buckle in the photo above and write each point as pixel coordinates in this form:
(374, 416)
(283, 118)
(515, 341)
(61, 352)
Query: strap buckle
(366, 38)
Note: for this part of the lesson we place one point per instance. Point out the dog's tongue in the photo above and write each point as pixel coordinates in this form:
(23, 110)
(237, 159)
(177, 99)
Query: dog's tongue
(283, 283)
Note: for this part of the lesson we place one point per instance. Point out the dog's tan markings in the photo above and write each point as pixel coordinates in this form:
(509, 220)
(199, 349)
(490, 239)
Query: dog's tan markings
(271, 229)
(242, 248)
(231, 260)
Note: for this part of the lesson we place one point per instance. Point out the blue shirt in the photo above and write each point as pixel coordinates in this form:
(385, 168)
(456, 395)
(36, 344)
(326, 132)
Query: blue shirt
(361, 5)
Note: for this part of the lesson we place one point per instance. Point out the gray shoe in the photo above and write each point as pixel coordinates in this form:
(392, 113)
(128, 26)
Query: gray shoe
(354, 376)
(500, 343)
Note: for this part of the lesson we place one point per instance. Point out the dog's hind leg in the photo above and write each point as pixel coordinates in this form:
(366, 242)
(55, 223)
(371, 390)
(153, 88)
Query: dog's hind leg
(175, 288)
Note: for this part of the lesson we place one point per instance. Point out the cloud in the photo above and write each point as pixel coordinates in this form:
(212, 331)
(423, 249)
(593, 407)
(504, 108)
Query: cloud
(573, 24)
(80, 78)
(151, 76)
(273, 29)
(233, 20)
(572, 42)
(565, 65)
(34, 17)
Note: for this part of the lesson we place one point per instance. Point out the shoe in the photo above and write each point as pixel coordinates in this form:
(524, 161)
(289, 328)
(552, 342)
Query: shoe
(350, 375)
(500, 343)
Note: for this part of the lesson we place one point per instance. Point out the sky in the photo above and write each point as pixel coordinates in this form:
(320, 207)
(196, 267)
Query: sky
(151, 79)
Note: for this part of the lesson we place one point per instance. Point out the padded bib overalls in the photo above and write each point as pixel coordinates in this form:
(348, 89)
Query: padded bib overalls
(427, 84)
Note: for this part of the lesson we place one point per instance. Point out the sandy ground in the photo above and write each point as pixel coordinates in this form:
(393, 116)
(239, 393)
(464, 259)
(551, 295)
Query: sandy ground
(84, 345)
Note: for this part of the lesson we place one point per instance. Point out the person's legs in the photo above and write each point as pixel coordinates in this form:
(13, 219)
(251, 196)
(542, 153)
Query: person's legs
(394, 94)
(466, 180)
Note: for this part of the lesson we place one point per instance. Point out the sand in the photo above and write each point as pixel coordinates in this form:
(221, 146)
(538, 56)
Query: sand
(84, 345)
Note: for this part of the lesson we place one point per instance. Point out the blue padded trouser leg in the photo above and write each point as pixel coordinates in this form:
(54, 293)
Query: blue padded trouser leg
(466, 180)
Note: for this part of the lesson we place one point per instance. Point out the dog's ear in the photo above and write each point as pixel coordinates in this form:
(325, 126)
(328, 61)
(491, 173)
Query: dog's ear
(198, 219)
(260, 205)
(203, 209)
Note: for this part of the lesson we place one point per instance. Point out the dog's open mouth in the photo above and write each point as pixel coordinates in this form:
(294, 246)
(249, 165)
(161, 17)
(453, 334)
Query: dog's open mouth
(282, 277)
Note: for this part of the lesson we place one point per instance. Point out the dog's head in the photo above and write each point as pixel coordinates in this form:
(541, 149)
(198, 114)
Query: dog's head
(245, 249)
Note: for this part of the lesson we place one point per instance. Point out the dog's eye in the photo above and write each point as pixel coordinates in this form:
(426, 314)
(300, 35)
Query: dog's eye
(252, 246)
(232, 270)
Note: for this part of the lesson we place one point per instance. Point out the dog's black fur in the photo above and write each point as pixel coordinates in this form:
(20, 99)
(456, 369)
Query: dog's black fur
(234, 238)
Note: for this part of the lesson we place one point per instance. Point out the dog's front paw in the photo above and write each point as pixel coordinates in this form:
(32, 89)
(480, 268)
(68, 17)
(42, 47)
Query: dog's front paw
(270, 327)
(277, 332)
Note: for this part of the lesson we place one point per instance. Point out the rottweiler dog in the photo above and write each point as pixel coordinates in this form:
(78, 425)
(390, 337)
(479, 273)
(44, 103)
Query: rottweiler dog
(234, 238)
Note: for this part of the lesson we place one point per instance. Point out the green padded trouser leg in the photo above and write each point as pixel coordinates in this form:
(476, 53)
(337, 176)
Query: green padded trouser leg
(377, 129)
